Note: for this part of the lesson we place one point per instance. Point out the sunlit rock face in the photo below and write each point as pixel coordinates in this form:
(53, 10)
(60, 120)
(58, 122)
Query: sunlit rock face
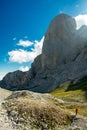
(64, 57)
(59, 46)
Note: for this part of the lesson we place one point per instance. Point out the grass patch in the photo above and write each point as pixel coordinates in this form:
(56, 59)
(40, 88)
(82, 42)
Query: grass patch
(74, 95)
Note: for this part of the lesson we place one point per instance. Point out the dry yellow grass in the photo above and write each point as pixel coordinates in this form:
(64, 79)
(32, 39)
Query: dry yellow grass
(36, 111)
(4, 93)
(73, 99)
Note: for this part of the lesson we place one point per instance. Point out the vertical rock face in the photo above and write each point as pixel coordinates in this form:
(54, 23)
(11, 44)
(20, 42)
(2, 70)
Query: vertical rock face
(64, 57)
(59, 46)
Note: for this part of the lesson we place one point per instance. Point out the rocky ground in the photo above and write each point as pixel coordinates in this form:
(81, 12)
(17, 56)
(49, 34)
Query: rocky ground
(79, 122)
(9, 123)
(5, 123)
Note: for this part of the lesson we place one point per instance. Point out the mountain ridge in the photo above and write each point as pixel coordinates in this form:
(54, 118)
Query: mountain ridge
(63, 58)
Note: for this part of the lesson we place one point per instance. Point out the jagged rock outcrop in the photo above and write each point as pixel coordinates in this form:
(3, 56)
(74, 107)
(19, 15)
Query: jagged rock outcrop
(13, 80)
(64, 57)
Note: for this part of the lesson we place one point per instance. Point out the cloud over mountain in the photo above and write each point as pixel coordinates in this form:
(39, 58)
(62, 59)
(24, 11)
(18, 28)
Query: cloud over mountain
(22, 56)
(64, 58)
(24, 68)
(81, 20)
(2, 74)
(25, 43)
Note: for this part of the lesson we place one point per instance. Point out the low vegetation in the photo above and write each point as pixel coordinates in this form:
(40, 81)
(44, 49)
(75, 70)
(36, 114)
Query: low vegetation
(54, 111)
(35, 111)
(74, 95)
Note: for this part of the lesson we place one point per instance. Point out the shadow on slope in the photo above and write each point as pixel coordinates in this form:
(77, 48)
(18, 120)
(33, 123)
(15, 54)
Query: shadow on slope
(74, 95)
(80, 85)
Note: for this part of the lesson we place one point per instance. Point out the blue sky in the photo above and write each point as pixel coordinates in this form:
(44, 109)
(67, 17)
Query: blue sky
(23, 24)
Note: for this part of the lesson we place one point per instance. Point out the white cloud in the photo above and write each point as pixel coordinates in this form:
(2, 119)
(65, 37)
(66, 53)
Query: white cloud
(25, 43)
(38, 47)
(81, 20)
(61, 11)
(24, 68)
(25, 37)
(2, 74)
(14, 38)
(21, 56)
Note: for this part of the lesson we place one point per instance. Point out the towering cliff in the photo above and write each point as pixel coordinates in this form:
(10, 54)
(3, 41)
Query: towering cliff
(64, 57)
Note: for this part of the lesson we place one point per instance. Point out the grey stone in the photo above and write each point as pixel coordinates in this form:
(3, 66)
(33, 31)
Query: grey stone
(63, 58)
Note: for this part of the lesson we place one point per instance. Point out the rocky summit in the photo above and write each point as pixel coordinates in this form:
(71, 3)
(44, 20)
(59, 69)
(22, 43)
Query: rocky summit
(63, 58)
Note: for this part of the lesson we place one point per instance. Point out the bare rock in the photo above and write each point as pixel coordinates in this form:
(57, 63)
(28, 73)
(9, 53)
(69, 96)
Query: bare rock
(63, 58)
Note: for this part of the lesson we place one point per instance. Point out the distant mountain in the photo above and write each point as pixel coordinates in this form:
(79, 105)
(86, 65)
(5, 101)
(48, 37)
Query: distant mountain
(63, 58)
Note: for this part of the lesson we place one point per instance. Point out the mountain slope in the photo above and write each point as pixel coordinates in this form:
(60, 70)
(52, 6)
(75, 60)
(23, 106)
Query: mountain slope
(63, 58)
(75, 94)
